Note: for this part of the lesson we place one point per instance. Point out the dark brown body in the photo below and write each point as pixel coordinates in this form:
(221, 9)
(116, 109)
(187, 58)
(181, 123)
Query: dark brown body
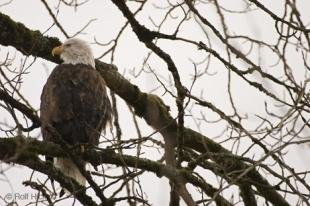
(74, 101)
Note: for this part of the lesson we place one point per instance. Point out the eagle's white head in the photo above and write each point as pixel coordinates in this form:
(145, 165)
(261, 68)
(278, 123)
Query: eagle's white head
(75, 51)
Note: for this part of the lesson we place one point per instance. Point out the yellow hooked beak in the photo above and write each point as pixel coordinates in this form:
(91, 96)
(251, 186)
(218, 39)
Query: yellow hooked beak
(57, 50)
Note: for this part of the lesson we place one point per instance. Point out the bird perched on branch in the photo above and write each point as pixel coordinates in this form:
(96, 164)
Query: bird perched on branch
(74, 102)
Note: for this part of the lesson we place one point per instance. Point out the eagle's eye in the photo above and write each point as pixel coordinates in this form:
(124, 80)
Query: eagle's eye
(67, 45)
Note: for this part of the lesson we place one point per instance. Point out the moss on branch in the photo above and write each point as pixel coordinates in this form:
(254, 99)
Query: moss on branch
(28, 42)
(25, 151)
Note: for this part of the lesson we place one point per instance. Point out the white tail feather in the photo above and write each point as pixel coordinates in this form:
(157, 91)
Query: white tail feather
(68, 168)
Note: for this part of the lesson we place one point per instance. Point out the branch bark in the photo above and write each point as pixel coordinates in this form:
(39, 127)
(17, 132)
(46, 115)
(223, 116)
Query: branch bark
(25, 151)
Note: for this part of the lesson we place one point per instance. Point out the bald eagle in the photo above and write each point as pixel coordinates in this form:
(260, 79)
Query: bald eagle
(74, 102)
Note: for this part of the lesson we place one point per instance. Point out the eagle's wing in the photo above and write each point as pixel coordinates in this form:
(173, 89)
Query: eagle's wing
(74, 101)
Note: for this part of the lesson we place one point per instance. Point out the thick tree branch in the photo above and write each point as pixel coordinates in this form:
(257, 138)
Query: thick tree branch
(25, 151)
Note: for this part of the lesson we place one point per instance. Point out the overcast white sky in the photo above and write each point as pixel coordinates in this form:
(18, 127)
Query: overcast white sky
(131, 53)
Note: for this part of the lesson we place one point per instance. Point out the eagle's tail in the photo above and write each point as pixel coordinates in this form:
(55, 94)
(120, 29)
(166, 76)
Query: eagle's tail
(68, 168)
